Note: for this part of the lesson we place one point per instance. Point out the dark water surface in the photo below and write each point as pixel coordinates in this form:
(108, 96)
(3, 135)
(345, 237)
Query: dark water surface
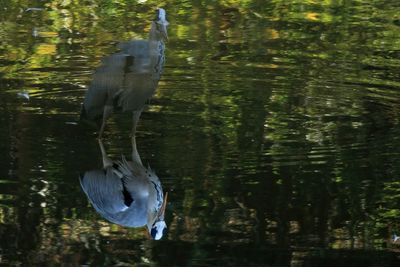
(275, 129)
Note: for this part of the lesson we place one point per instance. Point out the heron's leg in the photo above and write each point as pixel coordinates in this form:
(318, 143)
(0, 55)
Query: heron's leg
(135, 154)
(106, 114)
(106, 160)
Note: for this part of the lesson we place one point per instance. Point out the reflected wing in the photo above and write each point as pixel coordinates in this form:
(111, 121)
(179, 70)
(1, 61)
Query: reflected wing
(143, 73)
(106, 83)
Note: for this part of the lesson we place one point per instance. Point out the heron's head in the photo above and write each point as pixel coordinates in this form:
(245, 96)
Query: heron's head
(159, 227)
(161, 23)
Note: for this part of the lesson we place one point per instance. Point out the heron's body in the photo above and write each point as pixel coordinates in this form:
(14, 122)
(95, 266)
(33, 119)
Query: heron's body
(127, 79)
(125, 193)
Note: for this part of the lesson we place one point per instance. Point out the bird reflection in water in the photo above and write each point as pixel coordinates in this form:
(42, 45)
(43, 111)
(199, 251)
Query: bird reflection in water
(128, 78)
(125, 192)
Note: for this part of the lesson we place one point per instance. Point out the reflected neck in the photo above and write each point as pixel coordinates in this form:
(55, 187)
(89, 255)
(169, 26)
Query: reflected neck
(154, 35)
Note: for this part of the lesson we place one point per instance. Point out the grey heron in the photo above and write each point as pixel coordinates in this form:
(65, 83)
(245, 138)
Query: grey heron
(127, 79)
(126, 193)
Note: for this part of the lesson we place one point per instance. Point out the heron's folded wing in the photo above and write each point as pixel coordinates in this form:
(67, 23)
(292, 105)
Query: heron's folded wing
(104, 190)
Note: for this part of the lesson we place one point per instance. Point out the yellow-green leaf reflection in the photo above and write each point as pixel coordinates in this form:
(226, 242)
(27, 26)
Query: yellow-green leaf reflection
(275, 130)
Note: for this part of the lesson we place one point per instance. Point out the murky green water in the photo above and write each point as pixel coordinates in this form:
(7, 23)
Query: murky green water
(275, 129)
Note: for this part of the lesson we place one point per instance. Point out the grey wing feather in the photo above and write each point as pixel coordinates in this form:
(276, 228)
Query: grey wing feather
(107, 82)
(138, 88)
(135, 48)
(104, 191)
(139, 83)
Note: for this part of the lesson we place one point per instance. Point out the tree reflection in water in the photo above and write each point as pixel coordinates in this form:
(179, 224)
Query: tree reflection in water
(275, 129)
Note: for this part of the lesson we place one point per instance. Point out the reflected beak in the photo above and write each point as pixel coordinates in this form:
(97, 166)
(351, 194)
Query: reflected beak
(162, 209)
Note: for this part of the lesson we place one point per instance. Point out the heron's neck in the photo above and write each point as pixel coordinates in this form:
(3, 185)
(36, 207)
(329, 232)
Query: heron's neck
(154, 35)
(156, 51)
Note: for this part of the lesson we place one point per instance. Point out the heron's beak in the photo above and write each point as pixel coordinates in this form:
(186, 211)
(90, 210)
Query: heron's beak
(162, 209)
